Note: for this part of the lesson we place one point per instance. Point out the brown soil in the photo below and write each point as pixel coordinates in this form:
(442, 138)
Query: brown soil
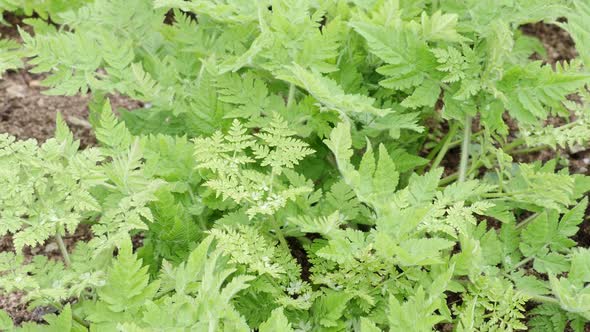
(26, 112)
(557, 42)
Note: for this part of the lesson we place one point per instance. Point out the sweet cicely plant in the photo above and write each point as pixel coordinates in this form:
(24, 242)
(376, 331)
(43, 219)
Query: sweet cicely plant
(286, 172)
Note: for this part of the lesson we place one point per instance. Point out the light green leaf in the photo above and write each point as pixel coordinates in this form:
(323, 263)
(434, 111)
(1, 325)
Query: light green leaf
(330, 95)
(6, 323)
(422, 251)
(276, 322)
(440, 27)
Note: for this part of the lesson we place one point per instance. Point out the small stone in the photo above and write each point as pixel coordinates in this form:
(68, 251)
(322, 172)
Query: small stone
(586, 161)
(16, 91)
(51, 247)
(35, 84)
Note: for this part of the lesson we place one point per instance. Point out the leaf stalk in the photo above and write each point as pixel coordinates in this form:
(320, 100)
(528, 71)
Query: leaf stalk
(465, 149)
(63, 249)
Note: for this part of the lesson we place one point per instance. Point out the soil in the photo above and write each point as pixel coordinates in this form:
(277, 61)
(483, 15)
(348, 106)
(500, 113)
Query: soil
(557, 42)
(27, 113)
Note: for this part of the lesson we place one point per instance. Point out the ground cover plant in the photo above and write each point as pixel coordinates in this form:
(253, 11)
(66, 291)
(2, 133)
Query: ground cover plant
(286, 172)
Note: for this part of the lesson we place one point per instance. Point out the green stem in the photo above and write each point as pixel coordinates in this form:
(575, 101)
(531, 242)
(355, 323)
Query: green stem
(458, 142)
(526, 221)
(280, 235)
(514, 144)
(63, 249)
(522, 263)
(276, 225)
(465, 150)
(448, 179)
(445, 147)
(291, 96)
(431, 156)
(506, 194)
(212, 325)
(543, 299)
(476, 165)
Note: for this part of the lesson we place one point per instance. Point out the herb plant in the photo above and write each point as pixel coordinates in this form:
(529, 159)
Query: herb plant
(285, 172)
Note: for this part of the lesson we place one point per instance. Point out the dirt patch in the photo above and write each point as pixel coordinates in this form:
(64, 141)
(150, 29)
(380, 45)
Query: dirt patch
(9, 31)
(558, 43)
(11, 303)
(26, 112)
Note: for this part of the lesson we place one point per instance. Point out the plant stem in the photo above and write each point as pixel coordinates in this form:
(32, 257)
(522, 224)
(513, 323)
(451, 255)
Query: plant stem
(280, 235)
(526, 221)
(509, 147)
(291, 96)
(446, 145)
(459, 141)
(465, 149)
(506, 194)
(431, 155)
(63, 249)
(514, 144)
(543, 299)
(277, 227)
(448, 179)
(522, 263)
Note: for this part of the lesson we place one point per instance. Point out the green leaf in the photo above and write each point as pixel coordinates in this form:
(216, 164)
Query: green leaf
(537, 234)
(329, 307)
(534, 89)
(127, 287)
(570, 221)
(551, 263)
(531, 285)
(580, 266)
(425, 95)
(276, 322)
(422, 251)
(330, 95)
(577, 26)
(440, 27)
(368, 325)
(6, 323)
(63, 322)
(340, 142)
(571, 298)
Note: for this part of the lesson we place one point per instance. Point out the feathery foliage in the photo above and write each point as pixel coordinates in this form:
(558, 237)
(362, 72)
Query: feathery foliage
(284, 172)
